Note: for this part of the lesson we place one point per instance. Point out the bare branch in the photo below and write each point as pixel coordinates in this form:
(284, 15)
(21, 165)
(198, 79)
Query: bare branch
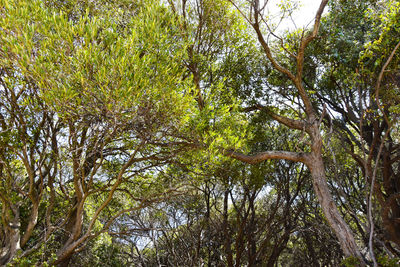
(370, 219)
(240, 11)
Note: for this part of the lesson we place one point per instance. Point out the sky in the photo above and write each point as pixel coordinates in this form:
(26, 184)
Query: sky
(302, 17)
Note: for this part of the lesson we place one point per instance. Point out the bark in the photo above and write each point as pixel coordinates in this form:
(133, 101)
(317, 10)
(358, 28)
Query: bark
(315, 163)
(12, 239)
(70, 228)
(310, 248)
(316, 166)
(278, 250)
(388, 195)
(31, 224)
(266, 155)
(342, 231)
(251, 232)
(339, 226)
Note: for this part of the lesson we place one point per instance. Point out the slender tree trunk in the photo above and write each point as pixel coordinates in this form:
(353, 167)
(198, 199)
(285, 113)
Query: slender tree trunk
(278, 248)
(251, 231)
(72, 231)
(310, 247)
(31, 224)
(227, 243)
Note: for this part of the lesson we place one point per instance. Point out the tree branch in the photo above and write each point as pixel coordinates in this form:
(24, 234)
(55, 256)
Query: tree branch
(291, 123)
(268, 53)
(300, 60)
(266, 155)
(378, 82)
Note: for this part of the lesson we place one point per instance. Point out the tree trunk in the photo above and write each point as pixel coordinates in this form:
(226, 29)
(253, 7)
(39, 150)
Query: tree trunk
(72, 232)
(31, 224)
(12, 239)
(227, 243)
(316, 165)
(278, 248)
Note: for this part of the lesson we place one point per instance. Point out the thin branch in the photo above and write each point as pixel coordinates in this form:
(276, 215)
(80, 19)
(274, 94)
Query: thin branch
(371, 222)
(378, 82)
(241, 12)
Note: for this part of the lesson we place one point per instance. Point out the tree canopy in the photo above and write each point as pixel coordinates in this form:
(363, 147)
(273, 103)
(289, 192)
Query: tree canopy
(194, 133)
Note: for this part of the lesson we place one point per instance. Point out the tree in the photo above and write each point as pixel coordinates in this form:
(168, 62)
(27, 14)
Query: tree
(144, 130)
(357, 85)
(308, 120)
(91, 103)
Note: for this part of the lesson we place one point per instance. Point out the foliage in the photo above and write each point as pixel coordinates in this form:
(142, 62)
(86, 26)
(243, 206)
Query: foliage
(121, 123)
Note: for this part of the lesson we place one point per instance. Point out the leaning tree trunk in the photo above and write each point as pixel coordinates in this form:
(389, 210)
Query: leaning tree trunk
(316, 165)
